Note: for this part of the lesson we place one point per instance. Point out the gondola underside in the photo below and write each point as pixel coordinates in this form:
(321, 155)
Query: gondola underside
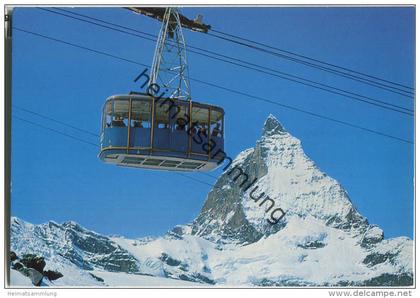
(158, 162)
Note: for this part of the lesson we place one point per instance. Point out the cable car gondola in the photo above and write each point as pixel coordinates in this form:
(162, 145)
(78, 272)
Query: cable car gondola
(168, 134)
(172, 133)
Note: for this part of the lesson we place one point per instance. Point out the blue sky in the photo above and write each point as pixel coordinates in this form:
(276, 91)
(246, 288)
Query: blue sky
(57, 178)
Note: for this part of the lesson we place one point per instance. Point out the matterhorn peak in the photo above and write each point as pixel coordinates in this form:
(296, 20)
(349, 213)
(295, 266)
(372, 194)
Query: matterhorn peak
(279, 170)
(272, 126)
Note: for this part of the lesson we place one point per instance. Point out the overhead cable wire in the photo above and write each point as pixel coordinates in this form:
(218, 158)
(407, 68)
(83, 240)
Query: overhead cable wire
(302, 111)
(154, 36)
(195, 179)
(54, 120)
(56, 131)
(258, 68)
(259, 98)
(357, 78)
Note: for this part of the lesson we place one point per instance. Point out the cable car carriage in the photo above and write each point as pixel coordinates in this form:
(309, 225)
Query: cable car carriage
(168, 134)
(174, 133)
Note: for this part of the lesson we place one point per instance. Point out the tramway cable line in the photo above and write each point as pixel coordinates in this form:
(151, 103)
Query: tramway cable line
(407, 89)
(254, 67)
(324, 68)
(217, 86)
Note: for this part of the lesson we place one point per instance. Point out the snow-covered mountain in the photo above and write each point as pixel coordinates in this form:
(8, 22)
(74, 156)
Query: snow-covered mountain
(320, 238)
(286, 175)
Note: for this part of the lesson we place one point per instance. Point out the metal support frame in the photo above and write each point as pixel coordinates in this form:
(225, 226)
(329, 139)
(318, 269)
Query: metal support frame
(170, 67)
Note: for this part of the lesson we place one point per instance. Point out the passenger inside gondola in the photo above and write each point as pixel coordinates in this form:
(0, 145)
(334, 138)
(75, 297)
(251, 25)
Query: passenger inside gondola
(193, 129)
(216, 131)
(203, 129)
(118, 121)
(180, 124)
(162, 124)
(137, 124)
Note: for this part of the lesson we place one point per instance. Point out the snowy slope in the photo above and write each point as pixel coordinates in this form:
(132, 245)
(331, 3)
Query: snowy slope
(19, 280)
(122, 279)
(305, 252)
(321, 241)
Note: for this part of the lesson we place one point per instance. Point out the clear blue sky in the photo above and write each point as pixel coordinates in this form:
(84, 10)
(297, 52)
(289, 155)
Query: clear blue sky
(57, 178)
